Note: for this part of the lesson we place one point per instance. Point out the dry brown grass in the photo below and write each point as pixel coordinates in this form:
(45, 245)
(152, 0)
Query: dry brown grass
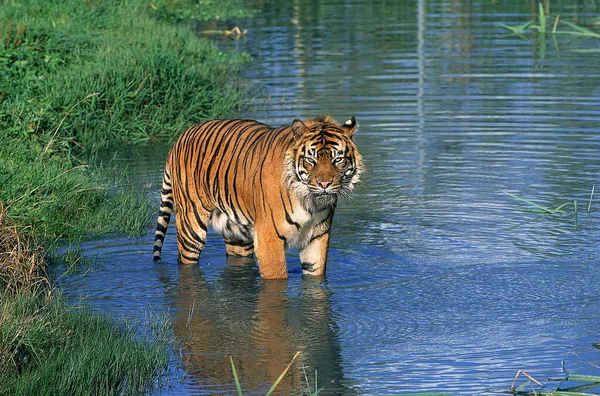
(22, 264)
(22, 271)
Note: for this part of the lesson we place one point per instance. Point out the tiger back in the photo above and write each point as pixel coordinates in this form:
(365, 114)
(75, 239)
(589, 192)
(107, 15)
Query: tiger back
(263, 188)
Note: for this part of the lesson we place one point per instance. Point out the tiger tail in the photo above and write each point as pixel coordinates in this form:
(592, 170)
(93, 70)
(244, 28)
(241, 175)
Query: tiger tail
(164, 214)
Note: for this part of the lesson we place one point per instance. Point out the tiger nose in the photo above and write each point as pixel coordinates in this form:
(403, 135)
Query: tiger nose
(324, 184)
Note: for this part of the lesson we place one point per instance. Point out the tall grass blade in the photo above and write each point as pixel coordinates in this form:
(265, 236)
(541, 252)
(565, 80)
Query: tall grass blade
(555, 24)
(238, 386)
(538, 207)
(53, 138)
(190, 314)
(580, 30)
(586, 50)
(278, 380)
(591, 197)
(559, 208)
(317, 390)
(306, 379)
(583, 378)
(542, 19)
(578, 34)
(516, 29)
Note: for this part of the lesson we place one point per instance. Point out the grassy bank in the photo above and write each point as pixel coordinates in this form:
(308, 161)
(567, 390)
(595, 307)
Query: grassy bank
(89, 73)
(76, 76)
(58, 198)
(48, 348)
(82, 74)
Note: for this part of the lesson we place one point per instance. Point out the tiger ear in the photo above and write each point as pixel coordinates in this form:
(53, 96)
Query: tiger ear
(299, 129)
(350, 126)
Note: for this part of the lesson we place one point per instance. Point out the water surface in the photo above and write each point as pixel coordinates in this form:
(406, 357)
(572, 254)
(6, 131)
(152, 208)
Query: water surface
(437, 280)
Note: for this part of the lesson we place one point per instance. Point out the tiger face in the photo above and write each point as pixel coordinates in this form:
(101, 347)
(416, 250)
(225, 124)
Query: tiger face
(326, 161)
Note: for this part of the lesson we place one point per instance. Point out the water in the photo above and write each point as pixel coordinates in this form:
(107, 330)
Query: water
(437, 280)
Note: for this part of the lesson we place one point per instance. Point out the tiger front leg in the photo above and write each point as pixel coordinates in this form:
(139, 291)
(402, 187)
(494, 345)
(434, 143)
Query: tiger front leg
(313, 256)
(269, 249)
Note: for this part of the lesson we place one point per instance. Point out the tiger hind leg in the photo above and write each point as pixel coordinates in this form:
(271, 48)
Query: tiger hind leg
(191, 233)
(238, 238)
(239, 249)
(164, 215)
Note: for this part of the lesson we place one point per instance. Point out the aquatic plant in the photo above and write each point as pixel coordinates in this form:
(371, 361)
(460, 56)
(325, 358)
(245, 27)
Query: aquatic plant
(238, 385)
(537, 208)
(543, 20)
(587, 382)
(520, 29)
(317, 390)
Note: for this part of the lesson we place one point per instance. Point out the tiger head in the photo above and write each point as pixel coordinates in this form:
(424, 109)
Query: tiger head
(324, 162)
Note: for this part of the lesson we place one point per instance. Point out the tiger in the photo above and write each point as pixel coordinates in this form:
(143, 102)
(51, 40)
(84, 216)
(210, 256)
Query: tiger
(263, 188)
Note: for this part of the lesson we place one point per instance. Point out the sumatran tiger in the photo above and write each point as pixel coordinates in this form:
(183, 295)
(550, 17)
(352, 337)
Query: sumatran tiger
(263, 188)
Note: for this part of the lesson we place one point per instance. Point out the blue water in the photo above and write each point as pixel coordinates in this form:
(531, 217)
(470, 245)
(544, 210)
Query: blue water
(437, 280)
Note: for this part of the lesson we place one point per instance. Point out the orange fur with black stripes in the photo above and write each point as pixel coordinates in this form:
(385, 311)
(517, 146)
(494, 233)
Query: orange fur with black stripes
(263, 188)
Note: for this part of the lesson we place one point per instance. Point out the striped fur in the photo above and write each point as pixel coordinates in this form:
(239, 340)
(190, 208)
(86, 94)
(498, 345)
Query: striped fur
(263, 188)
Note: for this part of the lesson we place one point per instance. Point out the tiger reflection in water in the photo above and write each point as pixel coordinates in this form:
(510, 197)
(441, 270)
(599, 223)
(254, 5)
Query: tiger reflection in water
(261, 325)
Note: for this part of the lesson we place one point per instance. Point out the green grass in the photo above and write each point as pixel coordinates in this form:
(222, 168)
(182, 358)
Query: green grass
(560, 209)
(83, 74)
(118, 70)
(201, 10)
(47, 348)
(60, 200)
(520, 29)
(544, 20)
(76, 76)
(536, 208)
(238, 385)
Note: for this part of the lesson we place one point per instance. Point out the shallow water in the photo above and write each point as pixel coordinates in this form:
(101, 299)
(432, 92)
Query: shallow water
(437, 280)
